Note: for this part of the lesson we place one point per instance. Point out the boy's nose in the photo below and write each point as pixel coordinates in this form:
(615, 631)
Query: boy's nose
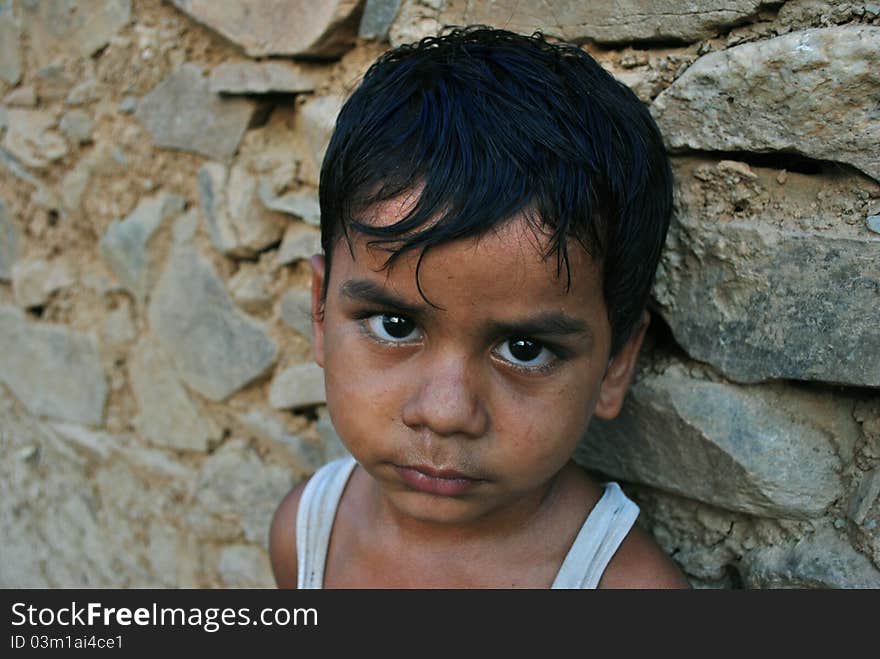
(446, 398)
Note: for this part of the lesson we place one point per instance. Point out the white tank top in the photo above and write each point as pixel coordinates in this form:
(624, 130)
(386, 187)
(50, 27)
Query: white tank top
(601, 534)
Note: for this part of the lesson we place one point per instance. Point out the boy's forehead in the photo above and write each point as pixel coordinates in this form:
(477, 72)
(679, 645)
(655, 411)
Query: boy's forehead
(510, 265)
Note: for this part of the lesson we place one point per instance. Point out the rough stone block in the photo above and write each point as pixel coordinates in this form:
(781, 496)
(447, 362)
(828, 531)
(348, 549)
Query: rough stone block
(622, 21)
(263, 78)
(10, 237)
(763, 450)
(182, 113)
(765, 281)
(281, 27)
(53, 371)
(810, 92)
(250, 289)
(10, 44)
(377, 19)
(72, 28)
(300, 242)
(301, 385)
(77, 126)
(304, 456)
(238, 224)
(216, 349)
(296, 310)
(237, 494)
(30, 137)
(35, 280)
(303, 204)
(315, 120)
(124, 245)
(245, 566)
(167, 415)
(820, 560)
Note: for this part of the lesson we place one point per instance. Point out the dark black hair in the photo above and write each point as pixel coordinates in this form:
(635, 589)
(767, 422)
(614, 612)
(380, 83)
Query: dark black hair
(490, 124)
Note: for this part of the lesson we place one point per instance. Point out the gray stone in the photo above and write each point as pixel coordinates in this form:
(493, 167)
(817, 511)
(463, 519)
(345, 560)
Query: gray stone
(128, 104)
(754, 271)
(238, 224)
(313, 126)
(250, 289)
(84, 92)
(48, 520)
(873, 223)
(168, 416)
(35, 280)
(762, 450)
(273, 27)
(216, 349)
(333, 446)
(263, 78)
(124, 245)
(186, 226)
(10, 44)
(300, 242)
(14, 167)
(791, 93)
(622, 21)
(118, 329)
(22, 97)
(74, 185)
(864, 497)
(245, 566)
(30, 138)
(296, 310)
(377, 19)
(820, 560)
(303, 204)
(39, 370)
(98, 446)
(77, 126)
(304, 456)
(10, 238)
(182, 113)
(72, 28)
(237, 494)
(301, 385)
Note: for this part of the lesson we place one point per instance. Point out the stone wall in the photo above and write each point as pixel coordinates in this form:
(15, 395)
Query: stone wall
(158, 202)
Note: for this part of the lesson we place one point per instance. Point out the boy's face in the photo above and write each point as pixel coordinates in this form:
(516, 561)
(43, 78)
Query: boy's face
(470, 409)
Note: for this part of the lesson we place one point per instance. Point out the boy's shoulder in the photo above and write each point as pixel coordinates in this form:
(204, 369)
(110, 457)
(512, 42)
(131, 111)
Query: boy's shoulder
(282, 538)
(640, 563)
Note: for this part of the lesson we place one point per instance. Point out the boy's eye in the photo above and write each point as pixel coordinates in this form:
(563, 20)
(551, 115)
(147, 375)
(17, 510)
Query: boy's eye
(393, 328)
(526, 353)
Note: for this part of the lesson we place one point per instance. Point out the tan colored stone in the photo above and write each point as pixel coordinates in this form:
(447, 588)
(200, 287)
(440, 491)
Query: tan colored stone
(764, 450)
(35, 280)
(168, 416)
(72, 28)
(811, 92)
(622, 21)
(301, 385)
(30, 136)
(263, 78)
(281, 27)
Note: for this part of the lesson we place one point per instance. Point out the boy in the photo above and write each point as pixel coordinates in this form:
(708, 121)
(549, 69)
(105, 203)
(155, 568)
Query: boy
(493, 208)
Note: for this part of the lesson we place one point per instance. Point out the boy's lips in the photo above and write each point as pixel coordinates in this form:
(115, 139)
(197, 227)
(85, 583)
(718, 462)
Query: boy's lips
(444, 482)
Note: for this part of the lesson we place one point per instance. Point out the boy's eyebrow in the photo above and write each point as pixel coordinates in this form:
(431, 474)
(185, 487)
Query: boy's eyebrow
(547, 323)
(364, 290)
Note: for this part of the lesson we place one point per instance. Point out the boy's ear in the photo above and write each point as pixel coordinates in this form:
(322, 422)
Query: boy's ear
(318, 270)
(620, 372)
